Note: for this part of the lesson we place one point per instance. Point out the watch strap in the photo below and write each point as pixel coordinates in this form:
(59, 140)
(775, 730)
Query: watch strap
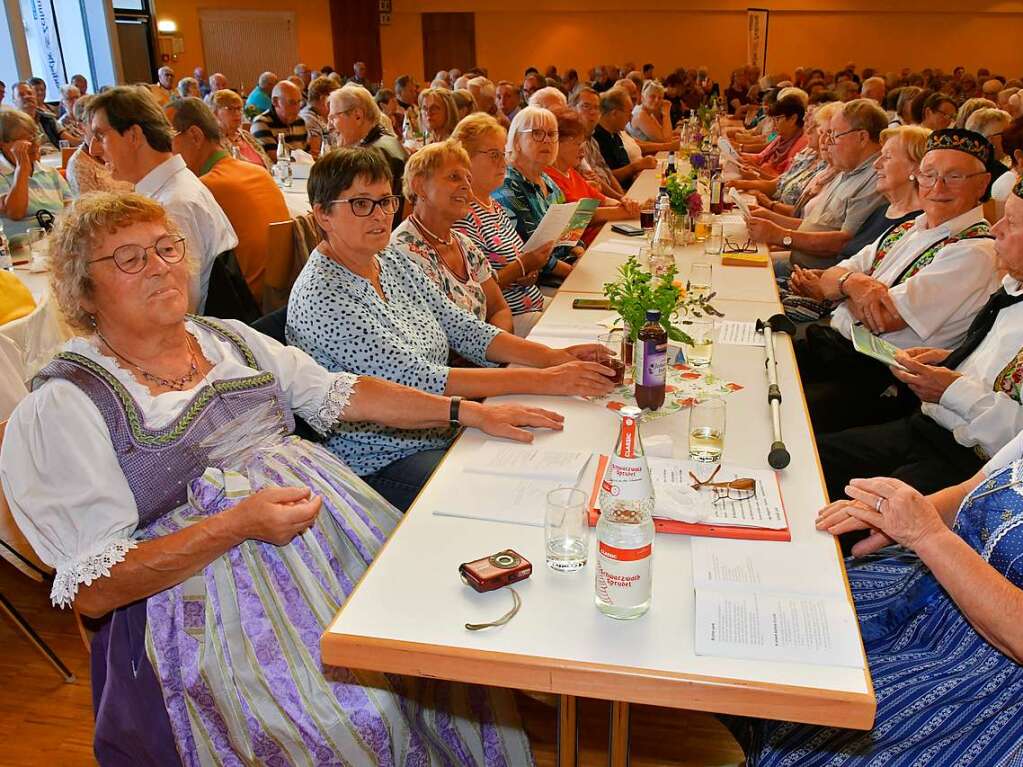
(456, 404)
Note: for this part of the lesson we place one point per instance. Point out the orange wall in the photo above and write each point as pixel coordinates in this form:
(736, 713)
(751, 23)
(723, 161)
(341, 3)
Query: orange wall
(511, 35)
(312, 20)
(883, 34)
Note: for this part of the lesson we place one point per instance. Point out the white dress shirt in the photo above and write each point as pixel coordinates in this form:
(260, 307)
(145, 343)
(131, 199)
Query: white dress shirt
(971, 408)
(70, 497)
(939, 302)
(197, 215)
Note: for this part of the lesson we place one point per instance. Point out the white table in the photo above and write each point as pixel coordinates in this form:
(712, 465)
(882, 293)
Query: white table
(297, 197)
(41, 334)
(407, 613)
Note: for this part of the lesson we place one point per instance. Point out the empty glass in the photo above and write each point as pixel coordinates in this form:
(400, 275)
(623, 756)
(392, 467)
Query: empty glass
(713, 244)
(707, 430)
(566, 530)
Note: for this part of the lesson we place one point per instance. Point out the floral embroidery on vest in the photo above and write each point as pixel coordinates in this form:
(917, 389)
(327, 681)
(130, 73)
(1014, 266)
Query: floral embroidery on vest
(1009, 380)
(980, 230)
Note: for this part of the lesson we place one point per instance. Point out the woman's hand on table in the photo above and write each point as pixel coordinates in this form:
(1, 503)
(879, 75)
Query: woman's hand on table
(275, 514)
(896, 509)
(576, 378)
(586, 352)
(630, 207)
(928, 382)
(508, 421)
(836, 520)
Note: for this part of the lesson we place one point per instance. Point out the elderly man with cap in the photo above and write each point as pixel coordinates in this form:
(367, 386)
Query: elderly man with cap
(971, 395)
(282, 119)
(919, 285)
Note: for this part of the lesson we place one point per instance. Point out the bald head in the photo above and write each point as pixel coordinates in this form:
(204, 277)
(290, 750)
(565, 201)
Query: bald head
(287, 100)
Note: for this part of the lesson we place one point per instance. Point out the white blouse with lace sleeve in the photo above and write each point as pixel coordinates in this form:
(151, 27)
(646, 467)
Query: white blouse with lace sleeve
(60, 473)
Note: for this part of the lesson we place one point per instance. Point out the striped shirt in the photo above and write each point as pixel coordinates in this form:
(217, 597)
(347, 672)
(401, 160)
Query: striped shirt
(268, 126)
(47, 190)
(492, 232)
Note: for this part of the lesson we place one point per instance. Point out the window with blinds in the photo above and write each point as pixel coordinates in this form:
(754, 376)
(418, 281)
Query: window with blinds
(243, 44)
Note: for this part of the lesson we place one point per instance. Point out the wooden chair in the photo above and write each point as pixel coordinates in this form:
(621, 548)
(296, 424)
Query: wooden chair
(280, 265)
(16, 549)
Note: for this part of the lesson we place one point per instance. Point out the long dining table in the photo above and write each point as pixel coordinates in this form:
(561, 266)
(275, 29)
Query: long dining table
(408, 613)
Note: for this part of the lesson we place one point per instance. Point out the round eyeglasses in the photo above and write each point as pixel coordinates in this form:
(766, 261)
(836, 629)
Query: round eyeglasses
(364, 206)
(540, 135)
(132, 259)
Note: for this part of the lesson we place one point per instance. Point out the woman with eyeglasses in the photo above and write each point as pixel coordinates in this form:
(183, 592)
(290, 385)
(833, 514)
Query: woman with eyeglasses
(362, 306)
(528, 191)
(26, 187)
(227, 108)
(488, 227)
(437, 184)
(154, 468)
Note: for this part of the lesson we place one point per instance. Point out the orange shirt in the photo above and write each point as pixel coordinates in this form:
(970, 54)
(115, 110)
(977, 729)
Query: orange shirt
(251, 202)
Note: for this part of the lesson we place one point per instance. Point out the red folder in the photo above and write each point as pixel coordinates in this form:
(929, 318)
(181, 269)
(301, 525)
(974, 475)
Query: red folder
(691, 528)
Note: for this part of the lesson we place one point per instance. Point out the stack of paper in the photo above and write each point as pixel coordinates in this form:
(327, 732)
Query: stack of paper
(752, 604)
(509, 482)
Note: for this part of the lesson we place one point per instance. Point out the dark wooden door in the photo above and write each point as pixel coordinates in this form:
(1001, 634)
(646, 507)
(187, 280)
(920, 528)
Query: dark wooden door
(355, 30)
(449, 41)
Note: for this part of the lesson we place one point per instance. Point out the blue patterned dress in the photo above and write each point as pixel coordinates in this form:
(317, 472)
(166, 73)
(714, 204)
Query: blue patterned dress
(944, 695)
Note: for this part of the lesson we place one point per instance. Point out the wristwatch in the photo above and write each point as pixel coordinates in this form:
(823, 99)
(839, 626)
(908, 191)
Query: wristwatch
(787, 240)
(456, 403)
(841, 283)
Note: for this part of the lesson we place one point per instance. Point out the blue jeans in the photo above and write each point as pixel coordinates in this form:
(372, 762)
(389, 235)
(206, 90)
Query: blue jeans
(400, 482)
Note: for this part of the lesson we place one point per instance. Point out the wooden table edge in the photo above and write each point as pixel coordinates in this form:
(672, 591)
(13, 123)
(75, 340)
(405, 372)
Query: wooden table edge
(607, 682)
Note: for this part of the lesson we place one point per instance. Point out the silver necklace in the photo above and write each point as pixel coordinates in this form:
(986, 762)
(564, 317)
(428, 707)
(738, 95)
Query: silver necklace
(178, 384)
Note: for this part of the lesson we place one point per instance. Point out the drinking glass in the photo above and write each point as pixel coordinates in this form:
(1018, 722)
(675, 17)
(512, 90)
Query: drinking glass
(715, 242)
(611, 354)
(701, 330)
(701, 279)
(703, 226)
(647, 220)
(566, 530)
(707, 430)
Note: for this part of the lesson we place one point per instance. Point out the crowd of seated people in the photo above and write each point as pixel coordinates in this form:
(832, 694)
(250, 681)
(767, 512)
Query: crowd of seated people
(414, 305)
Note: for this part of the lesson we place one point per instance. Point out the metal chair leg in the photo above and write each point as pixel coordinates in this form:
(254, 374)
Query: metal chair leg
(34, 638)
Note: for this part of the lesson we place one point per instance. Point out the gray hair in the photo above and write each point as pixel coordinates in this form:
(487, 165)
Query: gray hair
(266, 78)
(81, 109)
(353, 96)
(526, 119)
(799, 93)
(15, 124)
(988, 121)
(184, 83)
(969, 107)
(66, 92)
(579, 93)
(548, 98)
(486, 88)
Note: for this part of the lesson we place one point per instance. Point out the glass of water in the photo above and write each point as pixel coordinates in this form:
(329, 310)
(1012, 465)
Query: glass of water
(701, 279)
(566, 530)
(701, 330)
(707, 430)
(713, 245)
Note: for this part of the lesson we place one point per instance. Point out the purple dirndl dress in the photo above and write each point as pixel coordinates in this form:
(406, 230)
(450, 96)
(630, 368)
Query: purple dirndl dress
(224, 668)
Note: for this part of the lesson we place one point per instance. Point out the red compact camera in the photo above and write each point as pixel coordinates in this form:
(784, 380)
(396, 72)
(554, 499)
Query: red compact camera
(495, 571)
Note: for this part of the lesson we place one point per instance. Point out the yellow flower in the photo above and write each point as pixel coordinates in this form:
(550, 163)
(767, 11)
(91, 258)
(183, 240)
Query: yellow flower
(681, 289)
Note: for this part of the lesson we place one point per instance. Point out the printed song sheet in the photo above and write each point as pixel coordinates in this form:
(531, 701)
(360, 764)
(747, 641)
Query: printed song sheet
(758, 607)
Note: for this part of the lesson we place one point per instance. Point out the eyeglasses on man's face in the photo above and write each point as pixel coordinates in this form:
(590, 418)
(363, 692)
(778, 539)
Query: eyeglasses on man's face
(132, 259)
(929, 178)
(364, 206)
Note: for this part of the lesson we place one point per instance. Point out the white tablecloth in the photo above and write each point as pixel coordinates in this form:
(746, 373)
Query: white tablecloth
(40, 335)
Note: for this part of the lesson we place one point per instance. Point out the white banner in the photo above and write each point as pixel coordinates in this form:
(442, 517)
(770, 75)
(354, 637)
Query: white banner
(756, 38)
(43, 45)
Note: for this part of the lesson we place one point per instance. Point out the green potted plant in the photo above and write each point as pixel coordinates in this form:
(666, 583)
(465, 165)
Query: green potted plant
(636, 290)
